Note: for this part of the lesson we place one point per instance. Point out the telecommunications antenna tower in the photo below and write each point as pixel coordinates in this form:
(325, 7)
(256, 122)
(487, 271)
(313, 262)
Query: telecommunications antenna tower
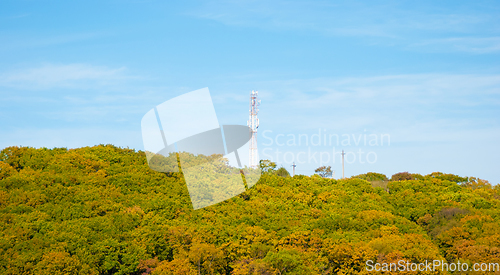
(253, 123)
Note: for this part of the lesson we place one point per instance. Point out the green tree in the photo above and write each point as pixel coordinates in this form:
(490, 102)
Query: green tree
(324, 171)
(402, 176)
(284, 261)
(282, 172)
(372, 176)
(267, 166)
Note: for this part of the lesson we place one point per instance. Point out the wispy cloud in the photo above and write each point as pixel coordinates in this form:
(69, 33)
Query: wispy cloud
(83, 94)
(14, 41)
(62, 76)
(445, 87)
(478, 45)
(394, 23)
(392, 103)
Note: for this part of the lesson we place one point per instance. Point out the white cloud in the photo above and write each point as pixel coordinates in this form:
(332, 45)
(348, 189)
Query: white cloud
(385, 90)
(62, 76)
(478, 45)
(432, 106)
(22, 40)
(382, 23)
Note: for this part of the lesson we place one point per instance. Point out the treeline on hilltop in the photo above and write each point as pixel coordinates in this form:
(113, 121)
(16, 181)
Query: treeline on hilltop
(102, 210)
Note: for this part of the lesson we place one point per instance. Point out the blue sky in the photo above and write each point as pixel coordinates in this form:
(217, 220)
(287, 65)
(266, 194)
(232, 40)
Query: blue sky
(426, 73)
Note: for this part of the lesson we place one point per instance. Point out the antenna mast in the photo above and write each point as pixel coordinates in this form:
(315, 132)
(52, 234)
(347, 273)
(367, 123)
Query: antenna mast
(253, 123)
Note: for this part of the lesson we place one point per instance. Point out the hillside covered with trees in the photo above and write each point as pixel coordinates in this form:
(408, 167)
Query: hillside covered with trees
(102, 210)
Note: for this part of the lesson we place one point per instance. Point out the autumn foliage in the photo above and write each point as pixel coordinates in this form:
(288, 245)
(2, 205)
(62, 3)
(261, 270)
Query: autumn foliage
(102, 210)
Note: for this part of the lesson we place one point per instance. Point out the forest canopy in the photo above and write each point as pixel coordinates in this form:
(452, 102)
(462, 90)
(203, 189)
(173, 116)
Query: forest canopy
(102, 210)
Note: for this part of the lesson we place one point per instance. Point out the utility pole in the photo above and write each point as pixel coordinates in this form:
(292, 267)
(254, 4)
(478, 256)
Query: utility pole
(343, 164)
(293, 165)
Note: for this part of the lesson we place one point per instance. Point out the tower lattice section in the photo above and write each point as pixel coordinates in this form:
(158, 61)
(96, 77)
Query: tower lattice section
(253, 123)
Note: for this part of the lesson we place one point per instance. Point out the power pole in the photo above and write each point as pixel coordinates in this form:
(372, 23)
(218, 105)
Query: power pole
(253, 123)
(343, 164)
(293, 165)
